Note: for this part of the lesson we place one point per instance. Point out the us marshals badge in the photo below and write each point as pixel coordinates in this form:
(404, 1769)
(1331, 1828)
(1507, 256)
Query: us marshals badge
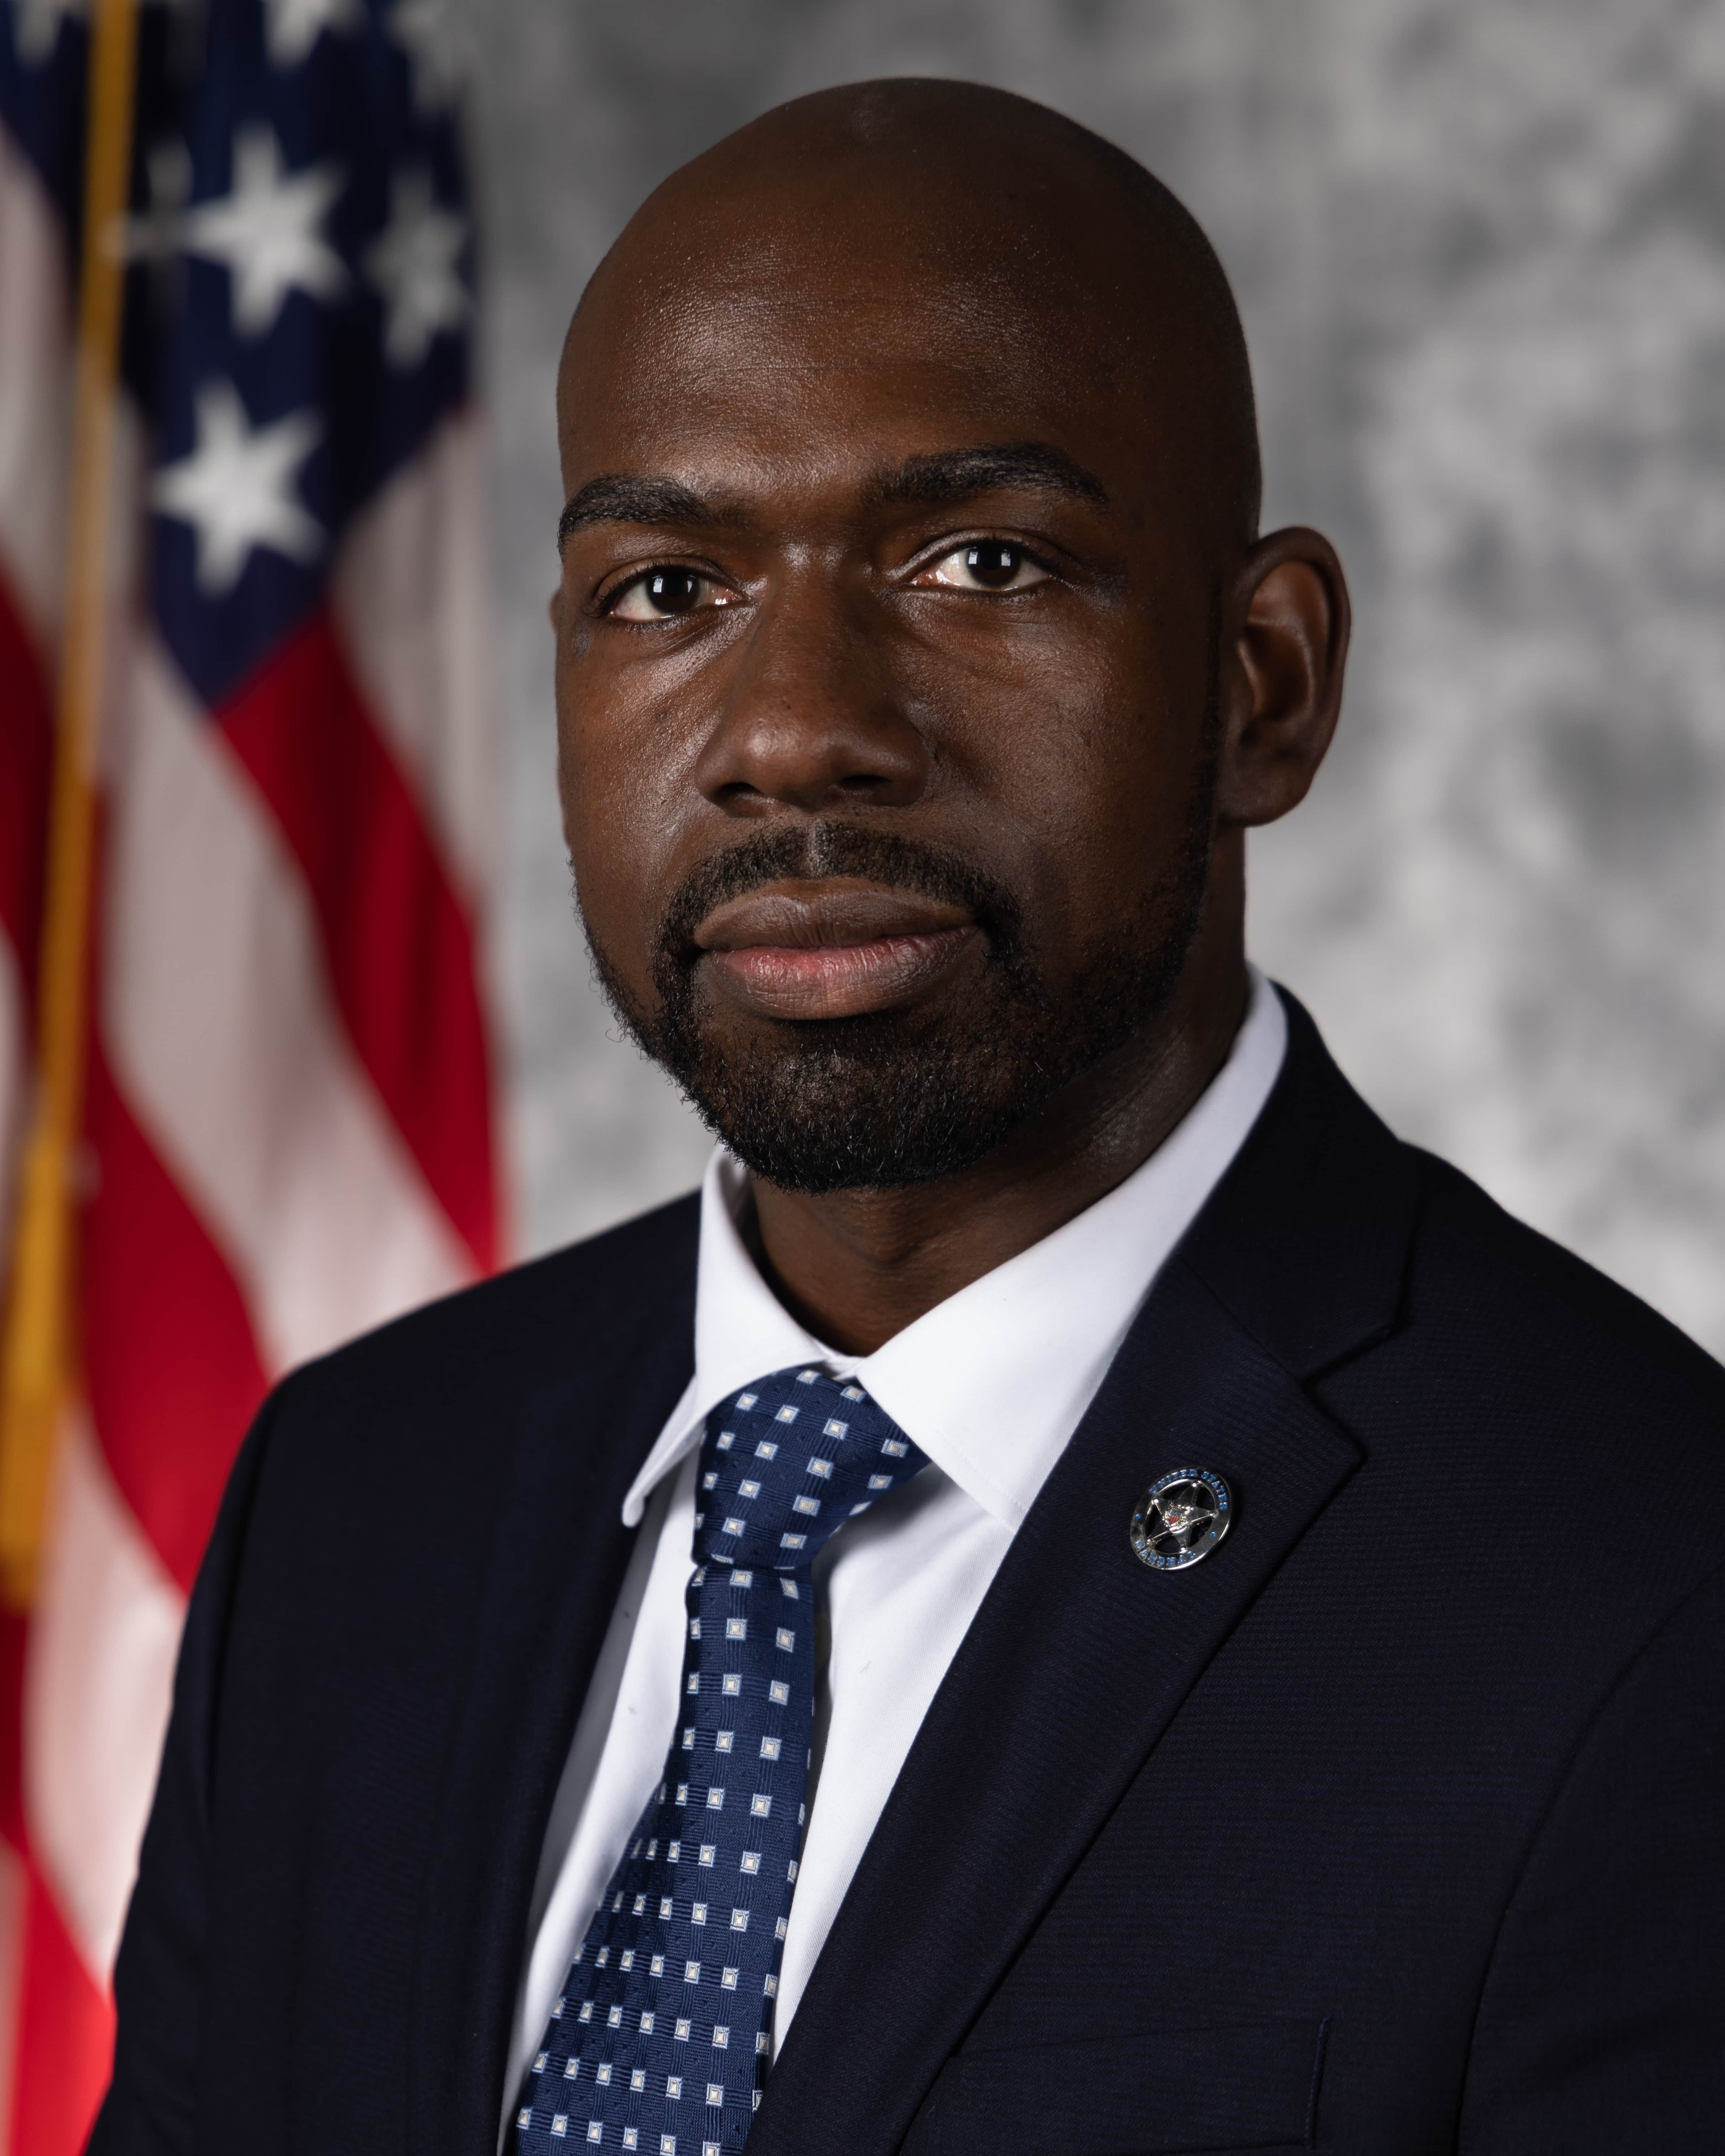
(1181, 1519)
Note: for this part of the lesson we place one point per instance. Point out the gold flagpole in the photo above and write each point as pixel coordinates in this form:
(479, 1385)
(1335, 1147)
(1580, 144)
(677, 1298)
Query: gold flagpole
(37, 1357)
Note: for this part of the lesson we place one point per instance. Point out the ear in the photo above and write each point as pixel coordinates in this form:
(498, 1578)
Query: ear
(1285, 643)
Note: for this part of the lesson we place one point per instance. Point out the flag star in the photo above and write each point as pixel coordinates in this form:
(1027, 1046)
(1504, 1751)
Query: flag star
(38, 26)
(154, 235)
(237, 488)
(414, 264)
(423, 31)
(266, 231)
(294, 26)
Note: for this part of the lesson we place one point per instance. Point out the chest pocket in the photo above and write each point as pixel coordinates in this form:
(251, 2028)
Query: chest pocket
(1156, 2092)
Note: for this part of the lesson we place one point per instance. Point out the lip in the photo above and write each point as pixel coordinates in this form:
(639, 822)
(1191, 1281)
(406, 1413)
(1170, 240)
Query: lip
(835, 949)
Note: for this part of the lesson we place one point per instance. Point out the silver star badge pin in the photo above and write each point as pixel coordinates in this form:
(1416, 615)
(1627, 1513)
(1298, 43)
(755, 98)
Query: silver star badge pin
(1181, 1518)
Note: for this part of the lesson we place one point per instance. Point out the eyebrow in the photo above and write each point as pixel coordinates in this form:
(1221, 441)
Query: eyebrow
(619, 498)
(949, 475)
(931, 481)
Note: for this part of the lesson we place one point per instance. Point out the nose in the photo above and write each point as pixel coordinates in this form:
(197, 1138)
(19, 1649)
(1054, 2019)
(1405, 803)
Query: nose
(810, 719)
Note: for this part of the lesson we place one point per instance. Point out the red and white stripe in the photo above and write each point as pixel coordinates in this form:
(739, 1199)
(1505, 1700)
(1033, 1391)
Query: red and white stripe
(290, 1116)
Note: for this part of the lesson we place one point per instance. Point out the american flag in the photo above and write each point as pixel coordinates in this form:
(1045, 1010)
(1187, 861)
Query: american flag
(288, 1103)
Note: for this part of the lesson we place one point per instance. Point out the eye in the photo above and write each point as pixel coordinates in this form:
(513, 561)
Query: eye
(985, 564)
(663, 593)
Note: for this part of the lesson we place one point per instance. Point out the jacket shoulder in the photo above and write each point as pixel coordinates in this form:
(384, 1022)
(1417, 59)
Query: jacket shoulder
(525, 1328)
(1476, 1263)
(395, 1456)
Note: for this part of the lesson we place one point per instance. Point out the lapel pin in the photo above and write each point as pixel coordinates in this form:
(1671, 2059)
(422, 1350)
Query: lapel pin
(1181, 1519)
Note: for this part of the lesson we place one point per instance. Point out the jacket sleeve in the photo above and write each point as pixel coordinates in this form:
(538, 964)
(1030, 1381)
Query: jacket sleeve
(1601, 2025)
(151, 2106)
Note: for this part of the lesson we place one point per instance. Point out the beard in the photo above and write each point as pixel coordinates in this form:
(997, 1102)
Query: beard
(890, 1098)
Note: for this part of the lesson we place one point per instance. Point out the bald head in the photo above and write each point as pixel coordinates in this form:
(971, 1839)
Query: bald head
(991, 233)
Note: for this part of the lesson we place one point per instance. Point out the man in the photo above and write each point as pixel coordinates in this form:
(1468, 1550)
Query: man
(1083, 1597)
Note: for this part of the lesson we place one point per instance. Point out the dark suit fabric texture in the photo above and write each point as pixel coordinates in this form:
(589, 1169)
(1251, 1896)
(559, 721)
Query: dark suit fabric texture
(1395, 1825)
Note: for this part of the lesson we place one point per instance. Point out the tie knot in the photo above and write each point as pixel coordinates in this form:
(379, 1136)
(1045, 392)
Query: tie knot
(786, 1462)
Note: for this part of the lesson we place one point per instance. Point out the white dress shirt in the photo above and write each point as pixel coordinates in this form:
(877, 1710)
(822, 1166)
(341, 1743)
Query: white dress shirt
(991, 1384)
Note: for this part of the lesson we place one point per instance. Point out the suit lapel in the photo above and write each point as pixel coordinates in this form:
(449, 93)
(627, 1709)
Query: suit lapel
(556, 1567)
(1080, 1656)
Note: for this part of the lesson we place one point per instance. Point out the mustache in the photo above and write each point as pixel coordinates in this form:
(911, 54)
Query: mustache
(831, 848)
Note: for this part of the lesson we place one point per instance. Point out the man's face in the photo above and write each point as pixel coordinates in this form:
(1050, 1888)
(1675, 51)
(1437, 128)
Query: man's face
(885, 688)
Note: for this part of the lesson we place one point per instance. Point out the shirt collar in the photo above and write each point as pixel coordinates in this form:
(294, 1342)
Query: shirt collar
(992, 1383)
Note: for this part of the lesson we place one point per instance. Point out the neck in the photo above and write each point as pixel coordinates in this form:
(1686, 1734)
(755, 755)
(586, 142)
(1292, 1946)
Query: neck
(856, 1266)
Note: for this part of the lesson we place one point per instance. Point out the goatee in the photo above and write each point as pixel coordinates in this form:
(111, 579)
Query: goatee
(901, 1097)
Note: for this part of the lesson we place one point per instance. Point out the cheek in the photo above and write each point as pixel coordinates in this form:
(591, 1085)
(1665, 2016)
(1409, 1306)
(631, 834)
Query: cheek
(1079, 757)
(1117, 819)
(631, 727)
(618, 778)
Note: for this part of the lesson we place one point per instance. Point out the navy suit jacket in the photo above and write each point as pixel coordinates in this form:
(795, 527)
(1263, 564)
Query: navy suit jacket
(1395, 1825)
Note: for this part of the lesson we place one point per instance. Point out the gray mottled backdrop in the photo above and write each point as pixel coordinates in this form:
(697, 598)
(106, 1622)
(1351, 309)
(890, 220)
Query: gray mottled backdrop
(1480, 247)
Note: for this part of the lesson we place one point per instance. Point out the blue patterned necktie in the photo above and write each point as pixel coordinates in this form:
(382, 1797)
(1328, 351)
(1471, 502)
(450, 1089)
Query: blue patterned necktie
(661, 2039)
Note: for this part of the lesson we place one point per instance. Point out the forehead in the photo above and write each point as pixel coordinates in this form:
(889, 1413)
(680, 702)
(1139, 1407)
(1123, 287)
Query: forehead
(808, 344)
